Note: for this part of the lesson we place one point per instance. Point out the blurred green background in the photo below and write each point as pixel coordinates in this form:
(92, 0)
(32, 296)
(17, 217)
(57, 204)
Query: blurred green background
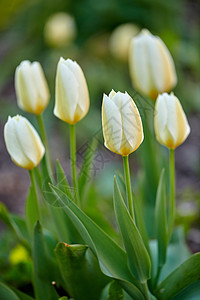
(22, 26)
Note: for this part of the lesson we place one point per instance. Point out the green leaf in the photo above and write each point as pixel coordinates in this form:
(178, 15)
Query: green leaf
(44, 272)
(115, 291)
(62, 182)
(85, 173)
(6, 293)
(111, 257)
(161, 220)
(187, 273)
(191, 292)
(81, 273)
(138, 257)
(15, 223)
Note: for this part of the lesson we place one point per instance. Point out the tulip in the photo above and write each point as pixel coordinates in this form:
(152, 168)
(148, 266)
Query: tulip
(122, 125)
(72, 98)
(23, 142)
(31, 87)
(170, 122)
(151, 65)
(120, 40)
(60, 30)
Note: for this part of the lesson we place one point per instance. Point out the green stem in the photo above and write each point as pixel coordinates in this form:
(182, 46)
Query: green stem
(73, 162)
(128, 186)
(45, 141)
(172, 190)
(35, 199)
(145, 286)
(157, 276)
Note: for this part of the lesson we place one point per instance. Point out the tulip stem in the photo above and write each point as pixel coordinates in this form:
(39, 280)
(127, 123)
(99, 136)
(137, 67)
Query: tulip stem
(128, 186)
(45, 141)
(172, 190)
(35, 198)
(73, 162)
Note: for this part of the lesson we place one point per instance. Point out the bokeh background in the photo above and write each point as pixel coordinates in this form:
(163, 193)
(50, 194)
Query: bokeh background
(22, 36)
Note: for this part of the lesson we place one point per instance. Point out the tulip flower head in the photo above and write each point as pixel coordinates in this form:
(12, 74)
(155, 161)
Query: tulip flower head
(170, 122)
(72, 97)
(23, 142)
(122, 125)
(31, 87)
(151, 65)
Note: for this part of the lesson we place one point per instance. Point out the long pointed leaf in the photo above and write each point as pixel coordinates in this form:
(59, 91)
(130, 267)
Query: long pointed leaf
(138, 257)
(187, 273)
(111, 257)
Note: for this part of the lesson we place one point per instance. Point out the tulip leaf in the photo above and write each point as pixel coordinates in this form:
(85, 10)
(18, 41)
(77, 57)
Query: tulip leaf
(6, 293)
(81, 273)
(138, 257)
(161, 220)
(111, 257)
(62, 182)
(187, 273)
(21, 295)
(191, 292)
(15, 223)
(85, 172)
(43, 267)
(115, 291)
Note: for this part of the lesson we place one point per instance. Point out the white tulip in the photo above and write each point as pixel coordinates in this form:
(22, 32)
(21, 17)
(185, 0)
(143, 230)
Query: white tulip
(31, 87)
(72, 97)
(170, 122)
(122, 125)
(151, 65)
(23, 142)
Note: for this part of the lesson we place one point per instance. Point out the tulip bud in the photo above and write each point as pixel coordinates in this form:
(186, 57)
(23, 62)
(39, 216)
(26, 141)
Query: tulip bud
(122, 125)
(120, 40)
(151, 65)
(60, 30)
(31, 87)
(170, 122)
(23, 142)
(72, 98)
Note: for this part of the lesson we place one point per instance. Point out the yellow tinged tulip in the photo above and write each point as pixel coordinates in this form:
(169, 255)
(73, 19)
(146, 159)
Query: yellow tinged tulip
(23, 142)
(72, 97)
(151, 65)
(170, 122)
(31, 87)
(122, 125)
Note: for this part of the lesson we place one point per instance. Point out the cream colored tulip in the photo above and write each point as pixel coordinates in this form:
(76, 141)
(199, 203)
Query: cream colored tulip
(120, 40)
(122, 125)
(60, 29)
(151, 65)
(31, 87)
(72, 98)
(170, 122)
(23, 142)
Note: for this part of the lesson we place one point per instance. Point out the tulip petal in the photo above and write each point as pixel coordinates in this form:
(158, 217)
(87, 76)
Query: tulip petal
(30, 141)
(40, 84)
(25, 89)
(83, 94)
(112, 125)
(13, 144)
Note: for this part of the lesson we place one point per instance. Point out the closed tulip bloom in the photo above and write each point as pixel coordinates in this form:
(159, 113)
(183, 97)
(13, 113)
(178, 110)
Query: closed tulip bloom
(122, 125)
(23, 142)
(170, 122)
(31, 87)
(72, 97)
(151, 65)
